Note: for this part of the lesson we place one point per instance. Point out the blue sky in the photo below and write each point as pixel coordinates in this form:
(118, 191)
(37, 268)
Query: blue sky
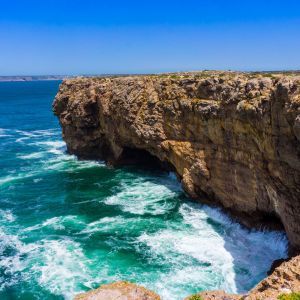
(94, 37)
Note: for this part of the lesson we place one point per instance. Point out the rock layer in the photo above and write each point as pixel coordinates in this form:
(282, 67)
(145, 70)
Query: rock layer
(231, 138)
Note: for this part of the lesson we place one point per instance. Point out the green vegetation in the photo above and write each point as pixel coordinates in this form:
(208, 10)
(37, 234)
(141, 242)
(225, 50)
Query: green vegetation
(197, 297)
(292, 296)
(175, 76)
(162, 76)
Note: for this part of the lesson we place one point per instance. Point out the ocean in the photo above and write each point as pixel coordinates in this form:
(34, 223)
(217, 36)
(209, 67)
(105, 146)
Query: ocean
(67, 226)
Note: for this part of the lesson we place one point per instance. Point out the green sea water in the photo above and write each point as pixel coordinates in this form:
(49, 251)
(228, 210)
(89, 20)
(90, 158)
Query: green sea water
(67, 226)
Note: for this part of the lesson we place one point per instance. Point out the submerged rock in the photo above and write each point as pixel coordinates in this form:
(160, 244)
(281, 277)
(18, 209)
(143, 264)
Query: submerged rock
(232, 138)
(120, 290)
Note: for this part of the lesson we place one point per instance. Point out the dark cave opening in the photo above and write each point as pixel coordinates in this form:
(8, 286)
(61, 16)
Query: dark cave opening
(143, 159)
(271, 221)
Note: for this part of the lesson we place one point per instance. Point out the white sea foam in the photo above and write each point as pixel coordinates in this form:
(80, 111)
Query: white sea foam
(36, 180)
(200, 256)
(33, 155)
(63, 266)
(84, 164)
(143, 196)
(54, 223)
(57, 265)
(58, 223)
(20, 140)
(37, 133)
(4, 132)
(52, 144)
(10, 179)
(106, 224)
(14, 263)
(6, 216)
(68, 163)
(46, 132)
(54, 147)
(25, 135)
(59, 163)
(197, 261)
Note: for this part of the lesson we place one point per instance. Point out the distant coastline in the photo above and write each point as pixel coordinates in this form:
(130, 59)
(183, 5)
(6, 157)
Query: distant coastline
(51, 77)
(33, 78)
(62, 77)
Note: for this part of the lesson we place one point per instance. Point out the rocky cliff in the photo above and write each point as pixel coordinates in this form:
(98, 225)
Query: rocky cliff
(284, 280)
(232, 138)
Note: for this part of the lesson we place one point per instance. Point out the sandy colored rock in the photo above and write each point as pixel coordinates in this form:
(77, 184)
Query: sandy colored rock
(285, 279)
(232, 138)
(120, 290)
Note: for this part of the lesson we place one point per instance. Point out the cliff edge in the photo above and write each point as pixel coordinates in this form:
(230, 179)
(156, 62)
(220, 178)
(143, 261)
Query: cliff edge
(283, 282)
(232, 138)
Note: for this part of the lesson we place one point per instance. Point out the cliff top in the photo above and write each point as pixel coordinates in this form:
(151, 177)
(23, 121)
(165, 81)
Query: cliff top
(222, 87)
(226, 75)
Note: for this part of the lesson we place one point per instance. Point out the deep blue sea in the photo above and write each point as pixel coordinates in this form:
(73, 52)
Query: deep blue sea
(67, 226)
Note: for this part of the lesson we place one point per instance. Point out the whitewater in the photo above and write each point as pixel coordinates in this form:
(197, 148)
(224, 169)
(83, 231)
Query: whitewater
(67, 226)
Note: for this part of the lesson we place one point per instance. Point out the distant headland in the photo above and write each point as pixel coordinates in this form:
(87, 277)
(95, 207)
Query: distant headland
(34, 77)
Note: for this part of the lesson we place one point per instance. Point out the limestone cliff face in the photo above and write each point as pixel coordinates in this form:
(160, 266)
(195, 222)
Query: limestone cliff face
(233, 138)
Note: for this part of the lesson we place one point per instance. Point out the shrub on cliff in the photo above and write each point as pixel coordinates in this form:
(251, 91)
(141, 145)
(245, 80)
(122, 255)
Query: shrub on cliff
(292, 296)
(197, 297)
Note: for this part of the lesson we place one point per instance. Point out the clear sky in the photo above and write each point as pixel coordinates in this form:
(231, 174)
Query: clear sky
(94, 37)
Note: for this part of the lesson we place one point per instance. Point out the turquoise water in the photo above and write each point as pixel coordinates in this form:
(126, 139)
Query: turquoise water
(67, 226)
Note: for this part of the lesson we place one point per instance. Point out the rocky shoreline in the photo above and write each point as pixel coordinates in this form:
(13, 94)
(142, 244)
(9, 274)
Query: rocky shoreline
(232, 138)
(284, 280)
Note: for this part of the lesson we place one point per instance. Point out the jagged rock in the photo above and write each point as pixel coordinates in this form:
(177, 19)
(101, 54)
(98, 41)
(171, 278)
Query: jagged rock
(285, 279)
(231, 137)
(120, 290)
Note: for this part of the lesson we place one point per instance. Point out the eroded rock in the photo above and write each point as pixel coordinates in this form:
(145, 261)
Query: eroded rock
(231, 137)
(120, 290)
(285, 279)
